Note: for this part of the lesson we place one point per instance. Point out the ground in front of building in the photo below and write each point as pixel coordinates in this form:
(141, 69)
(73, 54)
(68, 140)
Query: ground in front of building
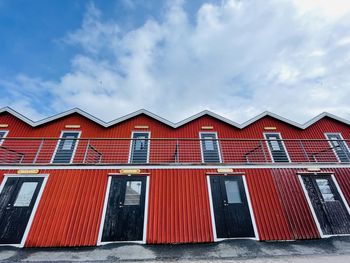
(335, 249)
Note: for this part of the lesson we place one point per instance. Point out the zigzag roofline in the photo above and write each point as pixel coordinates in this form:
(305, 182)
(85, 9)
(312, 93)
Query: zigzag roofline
(169, 123)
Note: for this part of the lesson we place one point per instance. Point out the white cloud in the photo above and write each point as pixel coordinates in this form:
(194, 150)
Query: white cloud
(238, 58)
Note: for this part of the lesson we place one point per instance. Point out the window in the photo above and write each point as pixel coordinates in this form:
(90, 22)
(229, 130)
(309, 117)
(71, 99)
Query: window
(132, 193)
(325, 190)
(66, 147)
(139, 147)
(339, 146)
(210, 147)
(232, 192)
(3, 134)
(276, 147)
(25, 194)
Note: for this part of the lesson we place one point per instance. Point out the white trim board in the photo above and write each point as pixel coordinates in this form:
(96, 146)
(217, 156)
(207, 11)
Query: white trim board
(131, 166)
(169, 123)
(35, 207)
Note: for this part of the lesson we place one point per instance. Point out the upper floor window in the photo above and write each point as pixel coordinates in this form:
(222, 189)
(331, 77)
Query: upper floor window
(3, 134)
(66, 147)
(339, 146)
(139, 147)
(276, 147)
(210, 147)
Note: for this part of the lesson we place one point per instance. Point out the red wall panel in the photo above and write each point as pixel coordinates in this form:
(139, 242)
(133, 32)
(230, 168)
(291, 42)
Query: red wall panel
(70, 209)
(293, 199)
(178, 207)
(269, 214)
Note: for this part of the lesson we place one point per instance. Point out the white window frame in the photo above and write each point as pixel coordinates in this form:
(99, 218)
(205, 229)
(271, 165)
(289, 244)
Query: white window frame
(59, 141)
(251, 211)
(148, 145)
(35, 207)
(283, 145)
(313, 212)
(326, 134)
(216, 141)
(3, 137)
(104, 211)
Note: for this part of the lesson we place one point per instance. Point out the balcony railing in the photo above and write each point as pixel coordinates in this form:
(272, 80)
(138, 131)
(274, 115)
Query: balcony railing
(103, 151)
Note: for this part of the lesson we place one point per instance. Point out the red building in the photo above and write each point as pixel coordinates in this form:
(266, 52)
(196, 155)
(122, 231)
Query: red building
(74, 180)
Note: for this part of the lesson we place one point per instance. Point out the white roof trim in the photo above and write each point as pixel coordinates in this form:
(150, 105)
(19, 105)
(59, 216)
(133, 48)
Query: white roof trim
(171, 124)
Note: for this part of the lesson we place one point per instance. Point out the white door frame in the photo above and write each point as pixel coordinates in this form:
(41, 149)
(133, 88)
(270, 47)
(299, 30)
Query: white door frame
(313, 212)
(282, 141)
(216, 141)
(35, 207)
(212, 215)
(326, 134)
(132, 140)
(75, 146)
(105, 204)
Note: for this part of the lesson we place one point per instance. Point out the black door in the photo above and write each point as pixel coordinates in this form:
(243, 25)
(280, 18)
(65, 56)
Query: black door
(328, 205)
(276, 147)
(339, 147)
(139, 147)
(125, 209)
(210, 148)
(231, 210)
(17, 200)
(66, 147)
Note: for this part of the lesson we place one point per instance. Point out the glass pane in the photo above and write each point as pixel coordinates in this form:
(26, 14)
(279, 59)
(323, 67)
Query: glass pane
(140, 144)
(133, 193)
(208, 144)
(325, 189)
(274, 144)
(2, 133)
(335, 143)
(68, 144)
(25, 194)
(232, 191)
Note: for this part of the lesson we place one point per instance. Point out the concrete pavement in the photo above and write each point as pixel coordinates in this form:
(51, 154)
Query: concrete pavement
(335, 249)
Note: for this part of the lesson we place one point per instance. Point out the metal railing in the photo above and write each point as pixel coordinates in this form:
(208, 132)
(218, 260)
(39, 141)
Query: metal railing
(99, 151)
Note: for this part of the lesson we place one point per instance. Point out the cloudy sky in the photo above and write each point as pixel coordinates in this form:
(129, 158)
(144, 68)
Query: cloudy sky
(176, 58)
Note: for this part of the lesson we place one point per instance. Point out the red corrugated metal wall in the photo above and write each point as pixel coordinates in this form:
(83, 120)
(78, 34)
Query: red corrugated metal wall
(270, 217)
(298, 213)
(159, 130)
(343, 179)
(70, 209)
(179, 207)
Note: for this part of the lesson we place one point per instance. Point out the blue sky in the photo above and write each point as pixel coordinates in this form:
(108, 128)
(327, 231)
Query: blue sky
(176, 58)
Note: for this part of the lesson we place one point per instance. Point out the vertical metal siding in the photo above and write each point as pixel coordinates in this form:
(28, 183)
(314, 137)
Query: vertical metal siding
(179, 207)
(269, 214)
(343, 179)
(293, 199)
(70, 209)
